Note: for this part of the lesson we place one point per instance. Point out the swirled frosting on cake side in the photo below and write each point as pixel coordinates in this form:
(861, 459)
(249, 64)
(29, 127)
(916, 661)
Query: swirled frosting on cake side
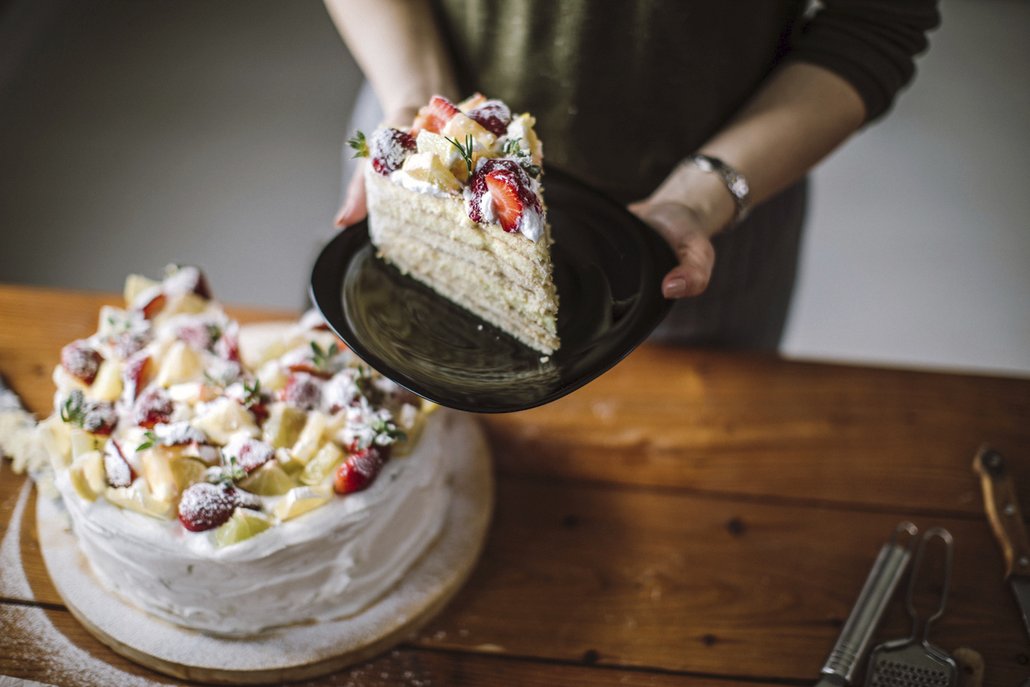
(329, 563)
(233, 479)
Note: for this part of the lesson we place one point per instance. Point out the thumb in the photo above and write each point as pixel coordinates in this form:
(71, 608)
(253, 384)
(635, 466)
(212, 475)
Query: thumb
(353, 209)
(682, 230)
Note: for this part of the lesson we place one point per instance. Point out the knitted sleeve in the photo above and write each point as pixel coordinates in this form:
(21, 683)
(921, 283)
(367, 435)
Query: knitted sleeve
(870, 43)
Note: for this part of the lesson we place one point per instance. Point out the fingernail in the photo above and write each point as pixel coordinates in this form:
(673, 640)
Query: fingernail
(339, 220)
(675, 288)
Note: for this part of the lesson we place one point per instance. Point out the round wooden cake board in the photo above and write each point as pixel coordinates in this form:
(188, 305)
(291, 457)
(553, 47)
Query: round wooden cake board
(295, 652)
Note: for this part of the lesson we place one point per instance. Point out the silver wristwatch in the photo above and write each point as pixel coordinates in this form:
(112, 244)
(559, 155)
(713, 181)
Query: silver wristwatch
(735, 182)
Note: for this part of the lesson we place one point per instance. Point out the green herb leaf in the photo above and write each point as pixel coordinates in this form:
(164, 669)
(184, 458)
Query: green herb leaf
(464, 150)
(73, 410)
(151, 441)
(359, 144)
(514, 147)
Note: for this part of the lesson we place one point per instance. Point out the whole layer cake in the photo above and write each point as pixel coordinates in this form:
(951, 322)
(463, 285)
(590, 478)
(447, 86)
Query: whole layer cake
(233, 480)
(456, 201)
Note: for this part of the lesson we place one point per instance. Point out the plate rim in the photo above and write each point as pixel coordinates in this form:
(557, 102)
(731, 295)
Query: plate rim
(328, 264)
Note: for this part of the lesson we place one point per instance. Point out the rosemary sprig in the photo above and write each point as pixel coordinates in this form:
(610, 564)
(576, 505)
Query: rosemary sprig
(359, 144)
(464, 150)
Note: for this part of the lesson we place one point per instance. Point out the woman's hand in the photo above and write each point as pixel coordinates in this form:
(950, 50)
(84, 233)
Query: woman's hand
(353, 209)
(682, 229)
(688, 209)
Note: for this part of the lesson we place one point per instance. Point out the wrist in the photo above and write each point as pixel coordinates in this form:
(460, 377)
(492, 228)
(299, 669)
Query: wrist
(703, 193)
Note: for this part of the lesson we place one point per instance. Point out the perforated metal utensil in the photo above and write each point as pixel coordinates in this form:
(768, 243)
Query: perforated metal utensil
(915, 662)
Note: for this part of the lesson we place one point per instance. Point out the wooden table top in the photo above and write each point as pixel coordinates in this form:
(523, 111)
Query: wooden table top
(691, 517)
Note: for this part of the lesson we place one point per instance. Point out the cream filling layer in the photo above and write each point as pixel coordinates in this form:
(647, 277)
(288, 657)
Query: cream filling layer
(329, 563)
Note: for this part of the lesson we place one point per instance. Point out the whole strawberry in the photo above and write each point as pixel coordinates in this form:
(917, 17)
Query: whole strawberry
(204, 506)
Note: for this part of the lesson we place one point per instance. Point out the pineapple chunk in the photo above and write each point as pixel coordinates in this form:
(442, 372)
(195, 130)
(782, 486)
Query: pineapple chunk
(82, 442)
(429, 168)
(243, 524)
(301, 500)
(283, 426)
(322, 465)
(222, 418)
(522, 127)
(157, 471)
(137, 497)
(310, 437)
(56, 437)
(428, 142)
(187, 471)
(107, 386)
(472, 102)
(87, 476)
(268, 480)
(289, 464)
(167, 473)
(461, 125)
(135, 284)
(272, 377)
(187, 303)
(180, 364)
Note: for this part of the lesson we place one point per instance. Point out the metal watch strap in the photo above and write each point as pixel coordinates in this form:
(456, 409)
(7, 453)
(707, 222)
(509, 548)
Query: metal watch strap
(735, 182)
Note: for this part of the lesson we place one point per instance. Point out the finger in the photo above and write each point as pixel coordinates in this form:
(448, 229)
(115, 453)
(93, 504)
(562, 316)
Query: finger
(696, 260)
(694, 252)
(354, 208)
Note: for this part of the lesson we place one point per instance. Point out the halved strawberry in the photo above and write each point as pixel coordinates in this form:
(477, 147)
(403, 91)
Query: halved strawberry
(81, 361)
(116, 466)
(136, 374)
(434, 116)
(151, 302)
(360, 469)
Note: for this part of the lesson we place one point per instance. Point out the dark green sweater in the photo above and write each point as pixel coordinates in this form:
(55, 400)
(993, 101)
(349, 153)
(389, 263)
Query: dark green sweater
(623, 90)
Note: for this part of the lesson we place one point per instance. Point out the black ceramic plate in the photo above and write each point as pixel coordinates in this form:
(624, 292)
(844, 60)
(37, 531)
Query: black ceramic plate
(608, 268)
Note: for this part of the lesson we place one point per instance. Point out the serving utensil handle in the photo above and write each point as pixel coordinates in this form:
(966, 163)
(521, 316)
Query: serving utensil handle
(880, 585)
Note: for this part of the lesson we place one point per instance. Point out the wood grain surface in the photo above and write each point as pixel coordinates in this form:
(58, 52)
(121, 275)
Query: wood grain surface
(691, 518)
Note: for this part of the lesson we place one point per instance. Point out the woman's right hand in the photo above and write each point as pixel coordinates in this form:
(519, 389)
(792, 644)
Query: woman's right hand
(353, 209)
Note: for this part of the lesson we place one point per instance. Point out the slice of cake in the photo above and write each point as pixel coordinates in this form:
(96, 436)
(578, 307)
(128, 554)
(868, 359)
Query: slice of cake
(456, 202)
(232, 480)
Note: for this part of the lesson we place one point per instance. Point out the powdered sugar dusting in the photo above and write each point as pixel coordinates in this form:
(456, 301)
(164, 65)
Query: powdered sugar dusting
(436, 575)
(205, 505)
(13, 584)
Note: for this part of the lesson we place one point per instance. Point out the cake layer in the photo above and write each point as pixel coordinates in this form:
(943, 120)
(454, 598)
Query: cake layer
(502, 277)
(329, 563)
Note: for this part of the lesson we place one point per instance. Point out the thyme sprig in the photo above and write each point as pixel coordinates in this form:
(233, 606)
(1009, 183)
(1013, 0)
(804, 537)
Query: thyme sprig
(322, 357)
(151, 439)
(73, 410)
(513, 148)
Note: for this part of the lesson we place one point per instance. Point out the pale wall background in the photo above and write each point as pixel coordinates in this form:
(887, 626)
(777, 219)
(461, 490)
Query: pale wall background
(133, 134)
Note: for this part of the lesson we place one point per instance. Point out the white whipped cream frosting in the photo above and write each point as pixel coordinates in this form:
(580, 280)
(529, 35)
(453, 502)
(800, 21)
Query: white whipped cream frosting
(329, 563)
